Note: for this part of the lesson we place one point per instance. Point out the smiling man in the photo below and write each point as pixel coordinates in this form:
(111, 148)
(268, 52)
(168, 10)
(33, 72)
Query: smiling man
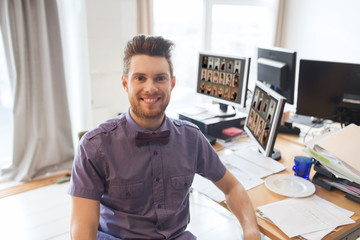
(148, 86)
(132, 174)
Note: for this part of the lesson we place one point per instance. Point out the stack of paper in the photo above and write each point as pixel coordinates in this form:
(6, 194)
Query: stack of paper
(339, 151)
(310, 218)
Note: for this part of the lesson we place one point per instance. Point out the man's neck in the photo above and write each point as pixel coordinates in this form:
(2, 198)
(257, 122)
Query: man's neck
(151, 124)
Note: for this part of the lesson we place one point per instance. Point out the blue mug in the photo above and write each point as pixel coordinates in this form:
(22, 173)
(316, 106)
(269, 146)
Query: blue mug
(302, 166)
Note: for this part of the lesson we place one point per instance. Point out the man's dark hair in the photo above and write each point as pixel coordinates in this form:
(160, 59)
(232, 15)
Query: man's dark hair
(154, 46)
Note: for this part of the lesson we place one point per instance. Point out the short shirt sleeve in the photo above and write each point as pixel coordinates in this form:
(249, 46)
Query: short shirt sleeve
(87, 178)
(209, 164)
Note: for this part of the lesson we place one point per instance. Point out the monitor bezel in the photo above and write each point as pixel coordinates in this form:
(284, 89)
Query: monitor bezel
(268, 149)
(281, 55)
(246, 68)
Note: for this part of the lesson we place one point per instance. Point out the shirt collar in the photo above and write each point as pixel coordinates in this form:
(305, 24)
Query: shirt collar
(134, 127)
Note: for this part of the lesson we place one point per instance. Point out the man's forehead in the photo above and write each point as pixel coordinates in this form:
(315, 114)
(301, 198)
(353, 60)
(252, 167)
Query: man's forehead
(142, 58)
(145, 63)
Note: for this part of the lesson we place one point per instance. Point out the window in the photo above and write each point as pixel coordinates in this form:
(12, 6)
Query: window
(238, 27)
(6, 115)
(234, 27)
(181, 22)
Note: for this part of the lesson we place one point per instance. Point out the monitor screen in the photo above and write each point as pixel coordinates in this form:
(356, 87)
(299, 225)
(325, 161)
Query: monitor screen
(223, 78)
(264, 117)
(276, 68)
(329, 90)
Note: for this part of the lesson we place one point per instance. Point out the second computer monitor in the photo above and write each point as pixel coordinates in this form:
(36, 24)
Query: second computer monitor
(264, 117)
(276, 68)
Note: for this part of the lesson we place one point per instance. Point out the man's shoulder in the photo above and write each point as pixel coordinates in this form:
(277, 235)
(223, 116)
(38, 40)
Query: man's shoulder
(105, 127)
(184, 124)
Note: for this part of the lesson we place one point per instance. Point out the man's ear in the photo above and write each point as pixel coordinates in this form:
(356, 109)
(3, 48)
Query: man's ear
(173, 82)
(124, 83)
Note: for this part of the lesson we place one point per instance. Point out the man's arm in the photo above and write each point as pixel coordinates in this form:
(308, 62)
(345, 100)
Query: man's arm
(84, 218)
(239, 203)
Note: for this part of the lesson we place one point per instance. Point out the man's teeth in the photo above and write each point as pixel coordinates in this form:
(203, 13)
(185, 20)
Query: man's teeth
(150, 100)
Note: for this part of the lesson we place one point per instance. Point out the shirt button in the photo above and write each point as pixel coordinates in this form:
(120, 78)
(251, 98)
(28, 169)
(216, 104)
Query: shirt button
(185, 184)
(155, 153)
(159, 205)
(157, 179)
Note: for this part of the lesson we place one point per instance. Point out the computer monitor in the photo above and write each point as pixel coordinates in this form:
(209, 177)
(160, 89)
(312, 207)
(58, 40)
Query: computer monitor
(329, 90)
(224, 79)
(276, 68)
(264, 118)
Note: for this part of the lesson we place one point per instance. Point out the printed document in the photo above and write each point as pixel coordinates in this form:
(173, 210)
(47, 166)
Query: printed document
(304, 216)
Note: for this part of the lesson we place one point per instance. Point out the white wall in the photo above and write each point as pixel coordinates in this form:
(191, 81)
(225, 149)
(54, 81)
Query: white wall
(110, 24)
(323, 29)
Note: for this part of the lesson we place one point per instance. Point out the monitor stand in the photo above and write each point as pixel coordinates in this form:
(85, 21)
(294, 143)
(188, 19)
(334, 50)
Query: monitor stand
(276, 154)
(224, 111)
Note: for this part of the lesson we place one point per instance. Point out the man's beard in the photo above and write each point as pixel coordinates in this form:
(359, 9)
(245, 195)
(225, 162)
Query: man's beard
(151, 114)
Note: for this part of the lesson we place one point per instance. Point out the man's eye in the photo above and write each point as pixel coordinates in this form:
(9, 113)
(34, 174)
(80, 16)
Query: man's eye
(161, 78)
(140, 78)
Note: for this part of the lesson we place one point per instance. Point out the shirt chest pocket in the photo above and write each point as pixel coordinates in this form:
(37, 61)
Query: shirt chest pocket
(129, 197)
(180, 190)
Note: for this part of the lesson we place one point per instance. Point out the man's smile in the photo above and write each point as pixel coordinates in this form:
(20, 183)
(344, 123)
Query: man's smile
(150, 100)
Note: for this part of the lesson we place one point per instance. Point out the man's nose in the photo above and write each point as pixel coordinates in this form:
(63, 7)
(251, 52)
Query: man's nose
(150, 86)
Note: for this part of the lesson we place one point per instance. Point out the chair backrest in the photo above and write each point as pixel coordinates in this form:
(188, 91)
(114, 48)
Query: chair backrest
(80, 134)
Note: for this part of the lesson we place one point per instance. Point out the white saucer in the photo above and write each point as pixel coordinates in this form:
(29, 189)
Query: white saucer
(289, 185)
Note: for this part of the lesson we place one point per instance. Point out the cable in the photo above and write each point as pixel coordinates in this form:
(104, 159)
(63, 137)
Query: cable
(312, 126)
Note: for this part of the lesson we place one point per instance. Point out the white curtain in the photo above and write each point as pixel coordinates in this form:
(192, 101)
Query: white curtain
(42, 128)
(72, 16)
(144, 10)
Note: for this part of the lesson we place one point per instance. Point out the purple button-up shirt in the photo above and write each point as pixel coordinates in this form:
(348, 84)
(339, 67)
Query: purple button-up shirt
(143, 191)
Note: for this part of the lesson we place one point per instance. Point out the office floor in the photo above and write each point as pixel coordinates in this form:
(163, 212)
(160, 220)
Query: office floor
(44, 213)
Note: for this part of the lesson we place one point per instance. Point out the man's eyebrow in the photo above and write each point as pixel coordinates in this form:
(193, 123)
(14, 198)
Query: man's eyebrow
(162, 74)
(138, 74)
(156, 75)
